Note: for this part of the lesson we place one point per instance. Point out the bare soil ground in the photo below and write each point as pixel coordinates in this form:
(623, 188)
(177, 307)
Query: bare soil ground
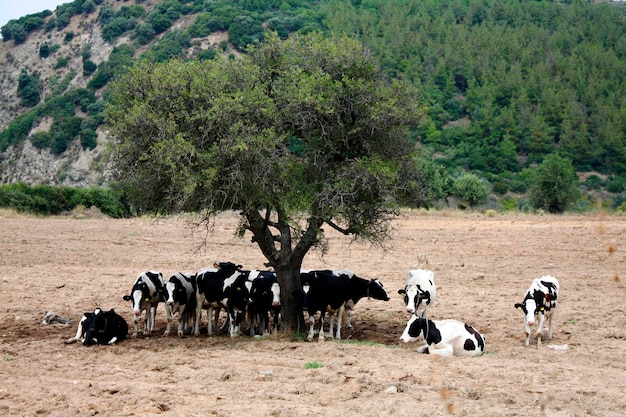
(483, 265)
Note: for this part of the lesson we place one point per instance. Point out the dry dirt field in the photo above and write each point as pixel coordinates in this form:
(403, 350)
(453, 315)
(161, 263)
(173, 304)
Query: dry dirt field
(483, 265)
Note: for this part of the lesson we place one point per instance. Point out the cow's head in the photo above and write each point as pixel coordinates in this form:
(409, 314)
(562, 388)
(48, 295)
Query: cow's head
(90, 327)
(140, 294)
(414, 329)
(413, 297)
(531, 307)
(376, 290)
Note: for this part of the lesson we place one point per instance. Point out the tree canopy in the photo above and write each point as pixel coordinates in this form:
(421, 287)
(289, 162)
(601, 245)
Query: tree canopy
(295, 135)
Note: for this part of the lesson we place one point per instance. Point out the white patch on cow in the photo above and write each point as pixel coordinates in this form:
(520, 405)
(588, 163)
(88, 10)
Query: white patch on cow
(254, 274)
(275, 294)
(346, 272)
(230, 280)
(306, 288)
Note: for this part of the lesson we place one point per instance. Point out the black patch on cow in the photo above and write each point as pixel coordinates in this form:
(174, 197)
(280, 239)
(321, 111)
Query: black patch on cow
(427, 328)
(478, 336)
(100, 327)
(469, 345)
(158, 284)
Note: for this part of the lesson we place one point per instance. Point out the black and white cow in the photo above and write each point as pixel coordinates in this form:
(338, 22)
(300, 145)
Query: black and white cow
(222, 287)
(101, 328)
(264, 298)
(330, 291)
(180, 297)
(419, 290)
(146, 294)
(444, 337)
(540, 302)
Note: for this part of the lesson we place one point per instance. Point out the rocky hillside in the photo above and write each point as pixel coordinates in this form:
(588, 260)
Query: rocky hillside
(62, 70)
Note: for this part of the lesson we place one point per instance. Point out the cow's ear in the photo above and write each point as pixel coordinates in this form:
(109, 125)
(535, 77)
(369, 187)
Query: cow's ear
(126, 298)
(518, 306)
(401, 292)
(541, 308)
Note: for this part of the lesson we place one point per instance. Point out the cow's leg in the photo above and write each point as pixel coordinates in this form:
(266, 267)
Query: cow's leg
(182, 320)
(79, 332)
(542, 319)
(445, 350)
(168, 311)
(311, 327)
(550, 326)
(528, 331)
(423, 349)
(340, 314)
(198, 316)
(321, 324)
(210, 312)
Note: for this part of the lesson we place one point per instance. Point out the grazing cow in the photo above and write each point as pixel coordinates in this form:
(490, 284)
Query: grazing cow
(180, 297)
(100, 327)
(540, 301)
(264, 297)
(331, 291)
(146, 294)
(444, 337)
(222, 287)
(420, 287)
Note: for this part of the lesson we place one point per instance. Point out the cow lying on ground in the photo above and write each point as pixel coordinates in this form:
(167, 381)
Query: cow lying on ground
(180, 297)
(419, 290)
(540, 302)
(147, 292)
(100, 327)
(330, 291)
(444, 337)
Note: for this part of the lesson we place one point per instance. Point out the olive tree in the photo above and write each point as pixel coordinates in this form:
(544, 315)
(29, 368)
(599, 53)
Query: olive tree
(295, 135)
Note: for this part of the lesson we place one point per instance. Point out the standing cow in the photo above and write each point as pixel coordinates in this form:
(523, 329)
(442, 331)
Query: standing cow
(333, 291)
(222, 287)
(419, 290)
(146, 294)
(180, 297)
(264, 298)
(540, 302)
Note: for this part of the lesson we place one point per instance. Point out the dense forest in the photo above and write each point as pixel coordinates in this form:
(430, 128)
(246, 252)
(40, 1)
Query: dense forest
(503, 84)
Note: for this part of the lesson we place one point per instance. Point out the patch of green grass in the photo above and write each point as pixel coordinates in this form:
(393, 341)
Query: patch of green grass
(313, 365)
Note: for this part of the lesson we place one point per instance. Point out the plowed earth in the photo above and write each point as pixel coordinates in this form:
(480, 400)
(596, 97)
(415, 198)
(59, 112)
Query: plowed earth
(483, 266)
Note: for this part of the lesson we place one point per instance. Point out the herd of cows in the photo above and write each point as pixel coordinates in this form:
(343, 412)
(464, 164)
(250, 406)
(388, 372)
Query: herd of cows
(253, 297)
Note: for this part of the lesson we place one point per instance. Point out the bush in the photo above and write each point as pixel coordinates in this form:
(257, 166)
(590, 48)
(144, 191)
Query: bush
(471, 189)
(51, 200)
(554, 185)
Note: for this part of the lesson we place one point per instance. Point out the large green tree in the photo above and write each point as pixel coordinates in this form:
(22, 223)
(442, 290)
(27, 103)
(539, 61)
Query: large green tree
(296, 135)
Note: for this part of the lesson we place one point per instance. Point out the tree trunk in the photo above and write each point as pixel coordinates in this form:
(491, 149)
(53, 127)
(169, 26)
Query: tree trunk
(291, 297)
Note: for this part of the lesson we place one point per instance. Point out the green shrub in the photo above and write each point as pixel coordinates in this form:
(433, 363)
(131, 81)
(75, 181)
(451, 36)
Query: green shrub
(554, 185)
(471, 189)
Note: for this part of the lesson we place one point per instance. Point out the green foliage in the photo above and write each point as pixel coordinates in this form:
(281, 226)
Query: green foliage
(471, 189)
(425, 182)
(50, 200)
(29, 88)
(44, 50)
(62, 61)
(244, 31)
(313, 365)
(171, 45)
(89, 67)
(554, 186)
